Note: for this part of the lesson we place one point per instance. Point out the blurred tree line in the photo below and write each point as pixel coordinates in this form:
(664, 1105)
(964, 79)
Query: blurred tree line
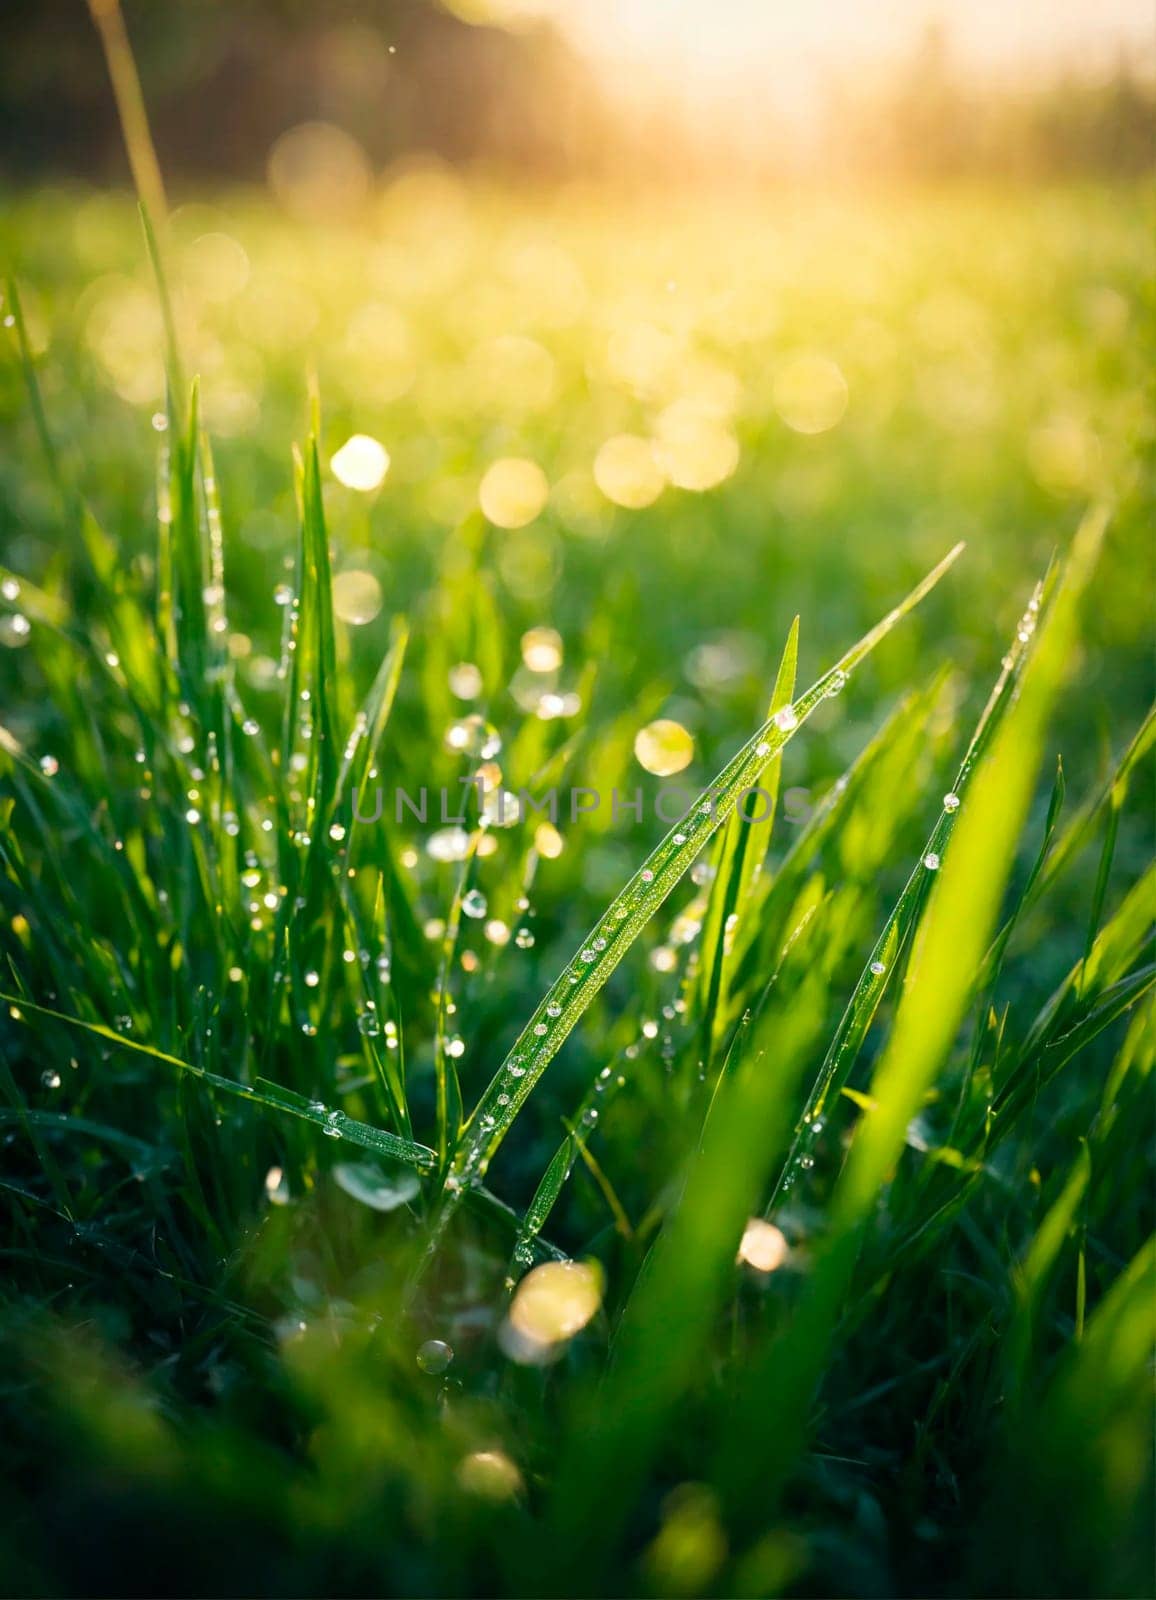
(224, 78)
(931, 120)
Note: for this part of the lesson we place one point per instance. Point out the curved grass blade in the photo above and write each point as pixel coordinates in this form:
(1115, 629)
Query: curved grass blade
(557, 1174)
(377, 1004)
(892, 941)
(744, 845)
(608, 941)
(334, 1124)
(761, 930)
(1075, 836)
(364, 742)
(173, 363)
(447, 1085)
(1036, 1270)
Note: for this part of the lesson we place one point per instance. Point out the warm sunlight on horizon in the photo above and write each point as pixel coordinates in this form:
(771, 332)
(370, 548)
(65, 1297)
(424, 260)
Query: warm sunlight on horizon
(732, 39)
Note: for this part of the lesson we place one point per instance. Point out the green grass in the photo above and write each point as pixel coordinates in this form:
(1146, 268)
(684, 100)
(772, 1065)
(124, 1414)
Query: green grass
(287, 1095)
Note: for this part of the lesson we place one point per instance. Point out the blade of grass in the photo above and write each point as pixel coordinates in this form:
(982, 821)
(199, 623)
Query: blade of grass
(947, 956)
(130, 103)
(1036, 1271)
(334, 1124)
(892, 941)
(684, 1280)
(610, 938)
(743, 846)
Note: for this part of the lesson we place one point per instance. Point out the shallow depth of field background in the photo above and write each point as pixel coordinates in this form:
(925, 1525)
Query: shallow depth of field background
(777, 321)
(691, 323)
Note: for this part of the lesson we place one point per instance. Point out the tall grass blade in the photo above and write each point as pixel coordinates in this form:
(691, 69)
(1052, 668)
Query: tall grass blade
(888, 950)
(610, 938)
(946, 959)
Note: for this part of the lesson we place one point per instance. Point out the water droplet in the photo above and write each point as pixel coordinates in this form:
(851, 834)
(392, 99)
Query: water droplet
(931, 861)
(540, 1028)
(646, 875)
(283, 594)
(554, 1010)
(878, 968)
(14, 630)
(588, 955)
(786, 720)
(951, 802)
(455, 1047)
(434, 1356)
(837, 684)
(473, 736)
(310, 1032)
(49, 766)
(474, 903)
(524, 939)
(312, 979)
(336, 832)
(50, 1078)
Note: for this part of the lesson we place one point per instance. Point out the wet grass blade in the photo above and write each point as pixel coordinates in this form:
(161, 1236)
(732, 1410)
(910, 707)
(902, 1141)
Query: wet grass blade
(740, 854)
(946, 959)
(334, 1124)
(892, 941)
(608, 941)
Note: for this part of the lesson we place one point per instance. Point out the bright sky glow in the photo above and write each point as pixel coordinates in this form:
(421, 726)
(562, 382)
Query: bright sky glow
(738, 36)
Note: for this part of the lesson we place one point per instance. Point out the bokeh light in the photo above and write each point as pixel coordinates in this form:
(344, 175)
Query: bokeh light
(551, 1304)
(810, 393)
(664, 747)
(513, 492)
(361, 463)
(320, 173)
(626, 471)
(356, 596)
(764, 1247)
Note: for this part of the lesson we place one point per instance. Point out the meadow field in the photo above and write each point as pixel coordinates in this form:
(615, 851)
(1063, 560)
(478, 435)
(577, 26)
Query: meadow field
(625, 1198)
